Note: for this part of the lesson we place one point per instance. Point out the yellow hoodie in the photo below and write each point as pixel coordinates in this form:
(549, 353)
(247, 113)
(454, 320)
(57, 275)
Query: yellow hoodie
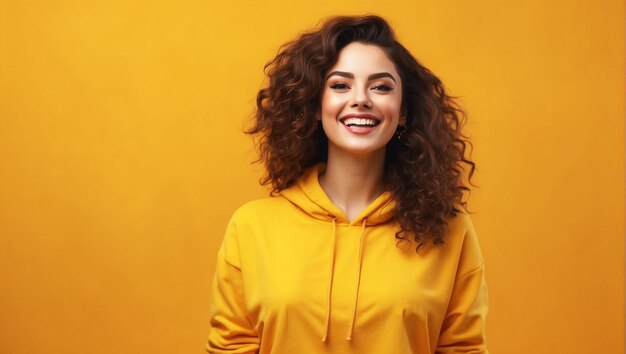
(294, 276)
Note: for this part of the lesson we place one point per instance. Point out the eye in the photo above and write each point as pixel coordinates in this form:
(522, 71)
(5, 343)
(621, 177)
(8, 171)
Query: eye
(382, 87)
(339, 86)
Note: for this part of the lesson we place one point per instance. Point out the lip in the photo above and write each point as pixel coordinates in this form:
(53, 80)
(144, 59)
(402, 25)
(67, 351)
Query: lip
(359, 115)
(360, 130)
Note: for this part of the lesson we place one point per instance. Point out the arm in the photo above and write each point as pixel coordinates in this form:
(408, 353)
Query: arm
(230, 329)
(464, 324)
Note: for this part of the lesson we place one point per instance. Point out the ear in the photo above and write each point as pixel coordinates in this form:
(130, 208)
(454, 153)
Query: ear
(402, 121)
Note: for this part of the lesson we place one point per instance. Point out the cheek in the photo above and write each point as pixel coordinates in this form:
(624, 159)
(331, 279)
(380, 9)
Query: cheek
(395, 103)
(393, 106)
(390, 108)
(331, 103)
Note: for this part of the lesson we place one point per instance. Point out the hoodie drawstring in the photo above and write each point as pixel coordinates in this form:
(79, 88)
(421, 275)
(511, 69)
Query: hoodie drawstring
(358, 282)
(330, 281)
(330, 277)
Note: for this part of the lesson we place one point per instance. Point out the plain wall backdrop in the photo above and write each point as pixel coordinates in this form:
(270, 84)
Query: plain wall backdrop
(122, 158)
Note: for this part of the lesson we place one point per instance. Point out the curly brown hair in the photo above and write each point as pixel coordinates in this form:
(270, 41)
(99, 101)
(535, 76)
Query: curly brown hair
(424, 170)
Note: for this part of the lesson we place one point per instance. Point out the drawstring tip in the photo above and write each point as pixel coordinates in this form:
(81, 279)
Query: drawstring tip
(349, 338)
(324, 339)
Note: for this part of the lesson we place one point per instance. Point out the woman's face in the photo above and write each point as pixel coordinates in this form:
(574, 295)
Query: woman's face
(361, 100)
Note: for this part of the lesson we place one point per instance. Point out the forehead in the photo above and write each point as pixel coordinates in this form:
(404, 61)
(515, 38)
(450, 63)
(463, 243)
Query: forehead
(361, 58)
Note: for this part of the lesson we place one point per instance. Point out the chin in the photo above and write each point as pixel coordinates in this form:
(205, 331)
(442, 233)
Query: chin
(362, 150)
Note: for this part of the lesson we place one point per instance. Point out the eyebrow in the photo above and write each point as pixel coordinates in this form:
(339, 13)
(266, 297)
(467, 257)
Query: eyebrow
(351, 75)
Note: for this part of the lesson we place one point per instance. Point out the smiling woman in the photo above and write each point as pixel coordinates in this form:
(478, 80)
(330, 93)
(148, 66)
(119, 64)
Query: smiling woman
(364, 245)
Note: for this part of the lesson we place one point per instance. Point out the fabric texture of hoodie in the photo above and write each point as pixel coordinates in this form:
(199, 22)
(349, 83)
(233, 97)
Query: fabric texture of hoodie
(294, 275)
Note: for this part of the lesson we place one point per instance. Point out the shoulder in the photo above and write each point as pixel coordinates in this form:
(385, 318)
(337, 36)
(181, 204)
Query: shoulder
(259, 208)
(462, 238)
(246, 222)
(261, 213)
(461, 224)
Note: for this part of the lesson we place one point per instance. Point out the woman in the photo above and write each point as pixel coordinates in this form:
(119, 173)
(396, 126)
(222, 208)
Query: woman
(363, 246)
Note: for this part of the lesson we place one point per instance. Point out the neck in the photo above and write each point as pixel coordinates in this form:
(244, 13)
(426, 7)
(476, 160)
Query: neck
(352, 182)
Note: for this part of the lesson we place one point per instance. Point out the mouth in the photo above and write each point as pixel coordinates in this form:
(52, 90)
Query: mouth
(360, 121)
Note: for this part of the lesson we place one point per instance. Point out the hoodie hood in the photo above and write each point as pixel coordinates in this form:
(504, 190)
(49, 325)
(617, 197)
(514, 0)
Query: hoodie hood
(308, 196)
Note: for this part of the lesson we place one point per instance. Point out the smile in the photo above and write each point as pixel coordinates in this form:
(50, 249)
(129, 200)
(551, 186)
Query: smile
(360, 123)
(359, 120)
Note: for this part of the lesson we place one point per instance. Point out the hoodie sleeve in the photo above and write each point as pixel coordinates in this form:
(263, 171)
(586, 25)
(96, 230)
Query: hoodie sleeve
(230, 329)
(463, 329)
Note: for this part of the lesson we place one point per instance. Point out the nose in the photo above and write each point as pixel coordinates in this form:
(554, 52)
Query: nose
(361, 98)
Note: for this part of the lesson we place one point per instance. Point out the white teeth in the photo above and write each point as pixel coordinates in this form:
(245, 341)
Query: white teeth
(360, 121)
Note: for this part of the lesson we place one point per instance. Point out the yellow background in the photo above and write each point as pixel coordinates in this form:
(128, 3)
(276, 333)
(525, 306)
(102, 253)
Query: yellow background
(122, 157)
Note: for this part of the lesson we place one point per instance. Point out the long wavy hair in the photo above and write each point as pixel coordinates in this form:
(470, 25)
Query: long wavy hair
(424, 170)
